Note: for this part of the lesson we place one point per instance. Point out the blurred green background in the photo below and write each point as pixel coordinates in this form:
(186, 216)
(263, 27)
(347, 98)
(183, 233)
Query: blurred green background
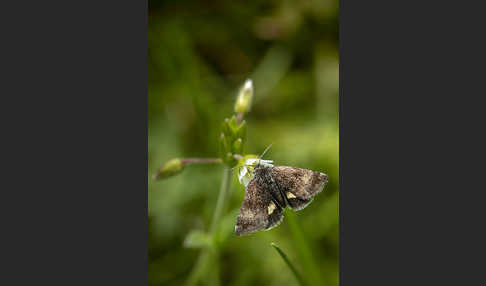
(200, 53)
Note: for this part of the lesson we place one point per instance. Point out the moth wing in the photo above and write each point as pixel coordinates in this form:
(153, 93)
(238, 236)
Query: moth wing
(299, 185)
(258, 211)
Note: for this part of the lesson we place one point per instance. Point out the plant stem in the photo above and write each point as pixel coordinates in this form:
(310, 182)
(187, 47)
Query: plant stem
(188, 161)
(239, 117)
(205, 255)
(223, 191)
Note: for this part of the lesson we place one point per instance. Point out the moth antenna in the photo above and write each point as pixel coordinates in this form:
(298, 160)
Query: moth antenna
(265, 151)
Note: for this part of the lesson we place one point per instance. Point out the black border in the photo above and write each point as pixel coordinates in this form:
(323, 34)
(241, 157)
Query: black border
(75, 190)
(410, 210)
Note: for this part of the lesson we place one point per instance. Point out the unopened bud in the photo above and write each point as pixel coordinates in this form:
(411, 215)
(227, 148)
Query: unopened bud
(238, 146)
(243, 102)
(171, 168)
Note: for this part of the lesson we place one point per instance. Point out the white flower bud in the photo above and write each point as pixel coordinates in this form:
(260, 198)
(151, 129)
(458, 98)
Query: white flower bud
(243, 102)
(246, 172)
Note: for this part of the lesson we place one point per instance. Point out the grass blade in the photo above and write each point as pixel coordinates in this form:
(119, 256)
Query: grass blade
(289, 264)
(304, 250)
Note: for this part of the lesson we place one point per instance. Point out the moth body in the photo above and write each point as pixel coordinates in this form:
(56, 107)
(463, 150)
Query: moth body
(270, 190)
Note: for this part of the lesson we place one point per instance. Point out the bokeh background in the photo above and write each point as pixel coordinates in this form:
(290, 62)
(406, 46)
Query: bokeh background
(200, 53)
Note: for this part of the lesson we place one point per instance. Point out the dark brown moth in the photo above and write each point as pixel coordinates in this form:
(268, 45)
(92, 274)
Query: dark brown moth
(271, 189)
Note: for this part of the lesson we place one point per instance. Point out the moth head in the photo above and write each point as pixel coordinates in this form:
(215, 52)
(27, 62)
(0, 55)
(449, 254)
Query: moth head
(247, 171)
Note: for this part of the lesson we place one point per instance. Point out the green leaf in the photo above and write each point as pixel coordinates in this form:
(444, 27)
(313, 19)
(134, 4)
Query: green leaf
(242, 130)
(225, 127)
(233, 124)
(238, 146)
(303, 249)
(289, 264)
(232, 140)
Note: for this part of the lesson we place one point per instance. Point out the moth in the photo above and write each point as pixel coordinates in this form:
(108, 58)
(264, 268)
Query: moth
(270, 190)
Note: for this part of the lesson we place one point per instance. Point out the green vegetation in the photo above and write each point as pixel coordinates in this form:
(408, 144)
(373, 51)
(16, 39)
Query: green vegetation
(289, 264)
(200, 54)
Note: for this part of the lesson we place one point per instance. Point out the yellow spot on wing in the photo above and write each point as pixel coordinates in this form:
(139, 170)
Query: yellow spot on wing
(271, 208)
(290, 195)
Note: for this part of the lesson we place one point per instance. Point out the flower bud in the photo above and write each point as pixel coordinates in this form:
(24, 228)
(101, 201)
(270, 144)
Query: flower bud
(247, 164)
(171, 168)
(243, 102)
(238, 146)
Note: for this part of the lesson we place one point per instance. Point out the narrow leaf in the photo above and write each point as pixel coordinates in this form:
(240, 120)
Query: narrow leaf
(289, 264)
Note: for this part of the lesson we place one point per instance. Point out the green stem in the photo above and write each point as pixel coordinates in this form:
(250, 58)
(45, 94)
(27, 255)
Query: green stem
(188, 161)
(239, 117)
(223, 192)
(204, 258)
